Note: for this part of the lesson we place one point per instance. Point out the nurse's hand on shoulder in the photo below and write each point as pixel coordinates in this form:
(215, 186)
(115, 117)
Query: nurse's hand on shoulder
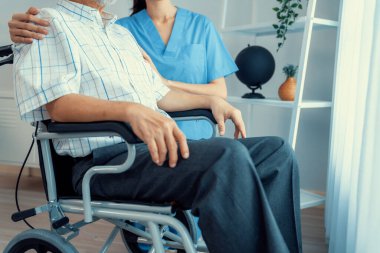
(24, 27)
(223, 111)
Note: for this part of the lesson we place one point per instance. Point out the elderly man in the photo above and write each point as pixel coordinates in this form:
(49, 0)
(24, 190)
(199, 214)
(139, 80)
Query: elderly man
(245, 191)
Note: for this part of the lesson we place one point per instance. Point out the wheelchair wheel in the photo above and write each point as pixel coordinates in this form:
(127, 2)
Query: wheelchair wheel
(131, 240)
(39, 241)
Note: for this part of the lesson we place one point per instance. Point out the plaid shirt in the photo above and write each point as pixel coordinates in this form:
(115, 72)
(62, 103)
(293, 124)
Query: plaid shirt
(85, 53)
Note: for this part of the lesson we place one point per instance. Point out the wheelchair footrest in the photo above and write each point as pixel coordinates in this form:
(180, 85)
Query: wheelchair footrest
(60, 223)
(23, 214)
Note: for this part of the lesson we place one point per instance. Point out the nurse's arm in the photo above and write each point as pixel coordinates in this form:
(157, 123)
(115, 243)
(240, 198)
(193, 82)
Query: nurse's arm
(176, 100)
(215, 88)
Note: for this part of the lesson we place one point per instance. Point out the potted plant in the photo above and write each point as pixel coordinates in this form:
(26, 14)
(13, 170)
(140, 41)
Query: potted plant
(287, 90)
(286, 14)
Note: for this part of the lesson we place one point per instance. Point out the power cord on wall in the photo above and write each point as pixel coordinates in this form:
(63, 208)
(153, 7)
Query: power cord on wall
(19, 177)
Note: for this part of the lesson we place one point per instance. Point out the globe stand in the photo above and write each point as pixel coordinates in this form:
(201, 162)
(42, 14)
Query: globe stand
(253, 94)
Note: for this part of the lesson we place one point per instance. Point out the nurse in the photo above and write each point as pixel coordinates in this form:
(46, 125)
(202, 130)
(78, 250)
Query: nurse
(184, 46)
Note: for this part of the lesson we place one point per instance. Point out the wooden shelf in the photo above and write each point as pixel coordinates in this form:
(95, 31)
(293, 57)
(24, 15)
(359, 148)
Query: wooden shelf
(263, 29)
(310, 199)
(279, 103)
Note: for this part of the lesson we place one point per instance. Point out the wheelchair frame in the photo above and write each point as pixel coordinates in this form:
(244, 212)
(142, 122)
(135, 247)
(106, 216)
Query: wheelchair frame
(156, 218)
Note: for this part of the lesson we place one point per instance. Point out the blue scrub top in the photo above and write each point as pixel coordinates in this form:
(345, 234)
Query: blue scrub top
(194, 54)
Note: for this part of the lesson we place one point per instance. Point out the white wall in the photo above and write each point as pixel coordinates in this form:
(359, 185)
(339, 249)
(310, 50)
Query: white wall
(312, 143)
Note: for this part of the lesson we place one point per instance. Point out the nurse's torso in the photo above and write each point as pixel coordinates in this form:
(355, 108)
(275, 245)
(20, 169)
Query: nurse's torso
(182, 59)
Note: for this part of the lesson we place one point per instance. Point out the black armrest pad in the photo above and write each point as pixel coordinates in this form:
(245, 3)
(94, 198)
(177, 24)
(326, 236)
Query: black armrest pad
(5, 50)
(123, 129)
(193, 113)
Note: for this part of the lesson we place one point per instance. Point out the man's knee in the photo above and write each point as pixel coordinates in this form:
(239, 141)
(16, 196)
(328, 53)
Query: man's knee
(233, 147)
(219, 146)
(273, 158)
(234, 158)
(277, 144)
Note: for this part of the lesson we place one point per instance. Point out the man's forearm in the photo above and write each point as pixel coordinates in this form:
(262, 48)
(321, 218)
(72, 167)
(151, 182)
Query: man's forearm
(79, 108)
(181, 101)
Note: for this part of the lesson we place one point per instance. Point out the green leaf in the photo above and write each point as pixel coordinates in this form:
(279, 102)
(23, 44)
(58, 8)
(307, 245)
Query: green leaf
(295, 5)
(286, 14)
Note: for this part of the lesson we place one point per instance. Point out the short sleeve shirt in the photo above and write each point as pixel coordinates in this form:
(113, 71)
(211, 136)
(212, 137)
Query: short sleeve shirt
(88, 54)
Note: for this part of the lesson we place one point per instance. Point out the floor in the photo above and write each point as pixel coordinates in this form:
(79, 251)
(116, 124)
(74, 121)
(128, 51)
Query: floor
(92, 236)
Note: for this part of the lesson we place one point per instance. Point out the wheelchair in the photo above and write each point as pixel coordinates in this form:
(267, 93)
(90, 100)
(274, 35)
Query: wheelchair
(161, 226)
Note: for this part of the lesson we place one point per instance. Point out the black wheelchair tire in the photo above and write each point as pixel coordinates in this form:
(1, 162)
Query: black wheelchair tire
(130, 239)
(41, 241)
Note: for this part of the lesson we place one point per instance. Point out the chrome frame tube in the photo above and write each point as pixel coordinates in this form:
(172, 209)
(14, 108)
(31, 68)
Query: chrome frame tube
(156, 237)
(86, 193)
(49, 171)
(119, 206)
(109, 240)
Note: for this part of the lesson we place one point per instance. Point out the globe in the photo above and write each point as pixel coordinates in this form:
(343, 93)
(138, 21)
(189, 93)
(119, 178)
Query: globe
(256, 67)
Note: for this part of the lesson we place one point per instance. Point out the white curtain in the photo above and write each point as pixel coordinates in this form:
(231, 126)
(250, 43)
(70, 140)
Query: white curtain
(353, 193)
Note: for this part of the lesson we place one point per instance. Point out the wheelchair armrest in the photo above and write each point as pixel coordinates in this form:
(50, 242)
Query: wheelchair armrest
(6, 51)
(121, 128)
(194, 114)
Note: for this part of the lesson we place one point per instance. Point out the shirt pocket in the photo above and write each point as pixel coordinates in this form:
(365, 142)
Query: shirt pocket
(194, 62)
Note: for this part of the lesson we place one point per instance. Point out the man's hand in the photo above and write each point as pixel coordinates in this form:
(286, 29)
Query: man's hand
(223, 111)
(160, 133)
(24, 27)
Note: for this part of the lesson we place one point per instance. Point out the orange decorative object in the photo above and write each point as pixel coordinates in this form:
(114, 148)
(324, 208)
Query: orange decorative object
(287, 90)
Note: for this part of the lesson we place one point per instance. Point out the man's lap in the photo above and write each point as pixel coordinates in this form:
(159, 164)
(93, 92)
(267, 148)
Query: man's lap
(145, 181)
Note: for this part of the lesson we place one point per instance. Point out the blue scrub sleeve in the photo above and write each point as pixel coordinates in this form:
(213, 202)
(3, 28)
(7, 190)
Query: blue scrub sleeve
(219, 61)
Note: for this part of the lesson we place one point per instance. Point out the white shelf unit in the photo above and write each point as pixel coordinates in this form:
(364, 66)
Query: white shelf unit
(307, 24)
(265, 29)
(279, 103)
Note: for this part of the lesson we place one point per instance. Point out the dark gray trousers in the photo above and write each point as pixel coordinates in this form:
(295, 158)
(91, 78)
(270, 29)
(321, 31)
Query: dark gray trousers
(245, 192)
